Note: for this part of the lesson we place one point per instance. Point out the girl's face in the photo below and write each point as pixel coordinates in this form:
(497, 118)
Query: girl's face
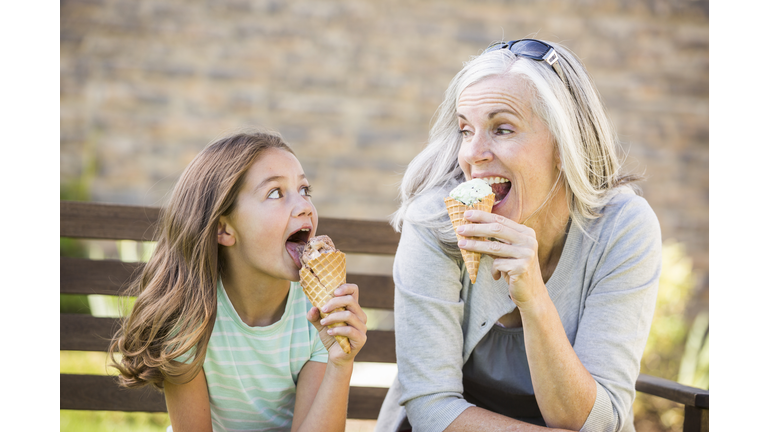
(272, 219)
(507, 144)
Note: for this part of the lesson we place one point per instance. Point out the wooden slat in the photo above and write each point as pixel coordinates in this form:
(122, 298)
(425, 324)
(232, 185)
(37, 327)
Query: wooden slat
(98, 392)
(121, 222)
(88, 333)
(375, 291)
(107, 221)
(379, 347)
(673, 391)
(111, 277)
(85, 332)
(359, 236)
(83, 276)
(102, 393)
(365, 402)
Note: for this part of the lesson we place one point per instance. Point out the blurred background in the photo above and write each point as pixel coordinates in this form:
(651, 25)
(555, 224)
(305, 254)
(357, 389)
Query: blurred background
(353, 86)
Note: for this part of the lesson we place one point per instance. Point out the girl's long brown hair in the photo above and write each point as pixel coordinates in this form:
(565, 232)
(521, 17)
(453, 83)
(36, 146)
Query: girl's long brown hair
(175, 308)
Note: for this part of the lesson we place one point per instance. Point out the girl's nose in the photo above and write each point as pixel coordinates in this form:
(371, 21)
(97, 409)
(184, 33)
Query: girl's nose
(477, 150)
(302, 207)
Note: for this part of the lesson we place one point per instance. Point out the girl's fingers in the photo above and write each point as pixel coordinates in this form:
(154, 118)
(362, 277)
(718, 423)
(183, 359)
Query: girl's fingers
(356, 337)
(347, 318)
(347, 289)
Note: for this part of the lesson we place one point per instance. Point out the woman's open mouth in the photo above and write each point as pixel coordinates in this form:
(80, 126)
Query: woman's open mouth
(295, 244)
(500, 186)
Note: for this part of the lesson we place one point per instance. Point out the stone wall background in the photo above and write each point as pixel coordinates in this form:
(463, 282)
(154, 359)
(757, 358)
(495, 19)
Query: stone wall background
(353, 85)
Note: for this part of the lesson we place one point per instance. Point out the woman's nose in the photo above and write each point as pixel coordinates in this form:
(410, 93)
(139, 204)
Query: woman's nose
(477, 150)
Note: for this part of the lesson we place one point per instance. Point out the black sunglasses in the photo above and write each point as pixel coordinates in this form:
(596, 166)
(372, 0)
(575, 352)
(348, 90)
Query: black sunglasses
(533, 49)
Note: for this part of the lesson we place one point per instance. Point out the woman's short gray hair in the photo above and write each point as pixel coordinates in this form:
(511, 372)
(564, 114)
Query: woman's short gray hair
(573, 112)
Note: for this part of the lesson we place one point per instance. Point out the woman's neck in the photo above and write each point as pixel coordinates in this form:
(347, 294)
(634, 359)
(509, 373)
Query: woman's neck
(551, 226)
(258, 299)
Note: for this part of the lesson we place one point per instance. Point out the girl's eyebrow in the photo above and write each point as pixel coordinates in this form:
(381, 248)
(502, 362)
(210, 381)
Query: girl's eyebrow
(276, 178)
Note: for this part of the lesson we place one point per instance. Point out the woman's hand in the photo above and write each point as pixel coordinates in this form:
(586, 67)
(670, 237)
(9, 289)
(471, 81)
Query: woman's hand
(345, 296)
(514, 249)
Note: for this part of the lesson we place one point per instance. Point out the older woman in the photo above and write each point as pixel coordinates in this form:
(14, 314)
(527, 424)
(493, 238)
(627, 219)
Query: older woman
(552, 332)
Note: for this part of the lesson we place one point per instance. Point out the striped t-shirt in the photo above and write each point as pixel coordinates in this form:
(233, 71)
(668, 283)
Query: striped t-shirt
(252, 371)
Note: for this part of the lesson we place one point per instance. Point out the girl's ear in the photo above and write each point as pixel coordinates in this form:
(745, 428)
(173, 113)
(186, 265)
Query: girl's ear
(224, 233)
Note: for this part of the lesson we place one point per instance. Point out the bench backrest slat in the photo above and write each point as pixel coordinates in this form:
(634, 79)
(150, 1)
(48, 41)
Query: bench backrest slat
(122, 222)
(111, 277)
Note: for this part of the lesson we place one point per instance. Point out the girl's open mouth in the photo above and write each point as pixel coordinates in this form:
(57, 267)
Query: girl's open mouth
(295, 244)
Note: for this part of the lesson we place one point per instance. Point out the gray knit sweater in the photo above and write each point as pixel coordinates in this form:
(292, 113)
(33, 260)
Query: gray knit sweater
(604, 288)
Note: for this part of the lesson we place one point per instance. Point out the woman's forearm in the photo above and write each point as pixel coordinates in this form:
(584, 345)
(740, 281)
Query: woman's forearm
(479, 419)
(565, 390)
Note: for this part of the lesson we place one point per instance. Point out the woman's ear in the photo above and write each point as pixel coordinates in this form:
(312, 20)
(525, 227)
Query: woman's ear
(224, 233)
(558, 161)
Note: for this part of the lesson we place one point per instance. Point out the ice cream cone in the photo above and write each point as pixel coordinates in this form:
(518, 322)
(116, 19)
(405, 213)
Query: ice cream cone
(456, 211)
(329, 271)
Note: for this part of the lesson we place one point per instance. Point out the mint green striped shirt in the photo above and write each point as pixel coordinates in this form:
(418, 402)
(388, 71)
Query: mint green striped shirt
(252, 371)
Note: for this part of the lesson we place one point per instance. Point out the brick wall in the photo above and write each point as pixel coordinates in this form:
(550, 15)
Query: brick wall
(352, 85)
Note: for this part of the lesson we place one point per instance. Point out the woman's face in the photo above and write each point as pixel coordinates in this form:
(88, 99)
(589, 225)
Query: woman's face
(272, 219)
(505, 143)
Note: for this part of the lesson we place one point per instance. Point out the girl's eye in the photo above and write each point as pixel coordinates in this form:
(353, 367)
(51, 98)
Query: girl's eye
(306, 191)
(274, 194)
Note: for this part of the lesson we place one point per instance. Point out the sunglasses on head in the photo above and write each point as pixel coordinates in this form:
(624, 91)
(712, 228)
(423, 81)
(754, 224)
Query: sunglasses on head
(532, 49)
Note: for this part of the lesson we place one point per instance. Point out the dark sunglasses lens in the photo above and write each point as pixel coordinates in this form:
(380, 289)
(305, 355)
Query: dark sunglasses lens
(530, 48)
(496, 46)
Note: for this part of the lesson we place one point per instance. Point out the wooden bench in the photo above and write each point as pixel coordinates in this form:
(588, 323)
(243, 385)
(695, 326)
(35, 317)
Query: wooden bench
(82, 332)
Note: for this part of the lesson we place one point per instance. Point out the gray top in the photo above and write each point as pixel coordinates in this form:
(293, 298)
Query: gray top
(604, 289)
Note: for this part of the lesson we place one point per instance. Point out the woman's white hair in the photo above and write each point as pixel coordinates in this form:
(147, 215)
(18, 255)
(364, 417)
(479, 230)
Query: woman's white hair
(573, 112)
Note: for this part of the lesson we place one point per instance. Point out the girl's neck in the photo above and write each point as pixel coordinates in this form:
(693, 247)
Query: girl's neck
(259, 300)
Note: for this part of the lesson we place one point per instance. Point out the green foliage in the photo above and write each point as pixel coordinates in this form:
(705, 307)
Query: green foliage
(112, 421)
(677, 348)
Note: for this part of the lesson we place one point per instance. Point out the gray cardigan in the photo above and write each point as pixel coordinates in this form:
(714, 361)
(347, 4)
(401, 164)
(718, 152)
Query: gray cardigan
(604, 290)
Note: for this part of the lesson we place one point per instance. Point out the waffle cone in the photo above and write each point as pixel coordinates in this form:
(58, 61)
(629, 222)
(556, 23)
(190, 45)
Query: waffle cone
(329, 271)
(456, 211)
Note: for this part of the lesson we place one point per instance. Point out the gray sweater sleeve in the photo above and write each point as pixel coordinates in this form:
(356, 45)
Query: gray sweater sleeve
(618, 308)
(428, 316)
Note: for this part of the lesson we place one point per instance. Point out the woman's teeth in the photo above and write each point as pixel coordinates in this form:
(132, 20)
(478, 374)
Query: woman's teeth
(500, 191)
(494, 180)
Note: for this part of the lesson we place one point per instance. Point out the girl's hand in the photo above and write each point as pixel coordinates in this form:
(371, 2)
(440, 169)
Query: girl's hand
(515, 252)
(345, 296)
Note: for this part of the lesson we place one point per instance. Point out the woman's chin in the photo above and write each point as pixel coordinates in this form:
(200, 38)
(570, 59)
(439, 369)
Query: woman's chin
(507, 208)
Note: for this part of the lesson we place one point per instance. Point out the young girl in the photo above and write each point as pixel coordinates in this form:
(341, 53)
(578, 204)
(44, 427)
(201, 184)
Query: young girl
(219, 320)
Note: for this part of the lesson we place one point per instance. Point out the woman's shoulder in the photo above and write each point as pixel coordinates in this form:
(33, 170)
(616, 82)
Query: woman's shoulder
(624, 213)
(623, 202)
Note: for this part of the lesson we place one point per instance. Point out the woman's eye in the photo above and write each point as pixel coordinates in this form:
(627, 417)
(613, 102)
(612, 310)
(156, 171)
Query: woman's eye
(503, 131)
(306, 190)
(274, 194)
(465, 132)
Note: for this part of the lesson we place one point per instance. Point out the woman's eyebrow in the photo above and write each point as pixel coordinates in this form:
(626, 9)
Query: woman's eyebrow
(503, 111)
(492, 114)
